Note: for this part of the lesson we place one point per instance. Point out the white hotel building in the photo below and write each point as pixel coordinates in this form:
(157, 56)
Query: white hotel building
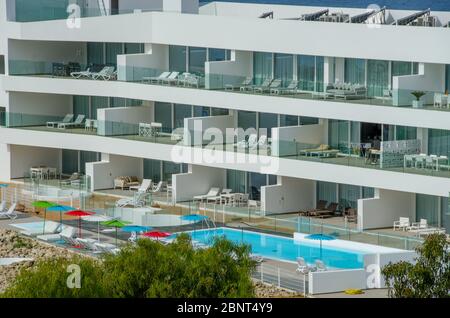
(327, 90)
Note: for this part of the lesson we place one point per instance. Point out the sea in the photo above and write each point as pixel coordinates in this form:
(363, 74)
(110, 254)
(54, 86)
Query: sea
(436, 5)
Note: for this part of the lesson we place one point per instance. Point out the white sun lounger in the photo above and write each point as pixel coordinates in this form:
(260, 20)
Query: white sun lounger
(89, 244)
(172, 78)
(67, 231)
(77, 123)
(213, 192)
(157, 79)
(320, 266)
(10, 214)
(107, 248)
(144, 187)
(303, 267)
(81, 74)
(67, 119)
(106, 74)
(423, 224)
(51, 227)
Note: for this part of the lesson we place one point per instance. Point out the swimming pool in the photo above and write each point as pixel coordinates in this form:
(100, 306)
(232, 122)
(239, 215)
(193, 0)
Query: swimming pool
(284, 248)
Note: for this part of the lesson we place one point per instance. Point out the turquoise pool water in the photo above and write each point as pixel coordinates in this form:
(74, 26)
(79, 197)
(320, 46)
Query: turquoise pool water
(283, 248)
(32, 226)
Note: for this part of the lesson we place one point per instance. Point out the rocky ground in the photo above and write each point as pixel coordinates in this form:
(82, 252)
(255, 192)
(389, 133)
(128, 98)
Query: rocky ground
(268, 291)
(13, 245)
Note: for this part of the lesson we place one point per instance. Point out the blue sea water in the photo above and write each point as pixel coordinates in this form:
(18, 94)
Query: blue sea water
(438, 5)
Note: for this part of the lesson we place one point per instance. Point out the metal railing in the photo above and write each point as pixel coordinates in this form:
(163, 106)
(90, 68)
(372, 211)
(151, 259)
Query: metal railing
(281, 278)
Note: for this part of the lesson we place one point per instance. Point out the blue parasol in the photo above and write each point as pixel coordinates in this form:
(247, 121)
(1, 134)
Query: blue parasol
(136, 228)
(60, 209)
(320, 237)
(194, 217)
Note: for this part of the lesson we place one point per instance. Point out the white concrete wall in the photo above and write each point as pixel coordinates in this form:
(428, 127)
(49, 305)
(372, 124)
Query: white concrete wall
(102, 173)
(285, 139)
(23, 158)
(385, 208)
(40, 104)
(199, 180)
(431, 79)
(47, 51)
(331, 281)
(123, 120)
(204, 130)
(5, 162)
(157, 27)
(289, 195)
(220, 73)
(136, 66)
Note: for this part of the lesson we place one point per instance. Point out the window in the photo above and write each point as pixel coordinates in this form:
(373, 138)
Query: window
(284, 68)
(98, 102)
(201, 111)
(326, 191)
(306, 72)
(308, 120)
(377, 77)
(236, 181)
(255, 182)
(348, 196)
(177, 58)
(163, 115)
(181, 112)
(355, 71)
(197, 59)
(338, 134)
(134, 48)
(262, 66)
(288, 120)
(267, 121)
(81, 106)
(219, 111)
(117, 102)
(405, 132)
(152, 170)
(218, 55)
(246, 120)
(170, 168)
(69, 161)
(95, 53)
(427, 207)
(87, 156)
(439, 142)
(112, 50)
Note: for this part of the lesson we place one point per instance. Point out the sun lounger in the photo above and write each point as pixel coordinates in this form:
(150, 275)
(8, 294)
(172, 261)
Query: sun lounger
(158, 188)
(213, 192)
(247, 82)
(67, 231)
(79, 122)
(67, 119)
(106, 74)
(51, 227)
(265, 85)
(145, 186)
(107, 248)
(292, 88)
(10, 214)
(321, 151)
(171, 79)
(3, 206)
(328, 212)
(257, 258)
(320, 266)
(303, 267)
(273, 85)
(429, 231)
(250, 143)
(217, 198)
(88, 244)
(81, 74)
(74, 178)
(321, 205)
(401, 224)
(156, 79)
(71, 241)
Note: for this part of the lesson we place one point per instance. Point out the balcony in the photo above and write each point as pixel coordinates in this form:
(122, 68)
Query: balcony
(406, 161)
(347, 93)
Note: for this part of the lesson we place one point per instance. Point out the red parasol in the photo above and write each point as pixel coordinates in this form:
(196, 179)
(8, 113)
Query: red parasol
(156, 234)
(79, 214)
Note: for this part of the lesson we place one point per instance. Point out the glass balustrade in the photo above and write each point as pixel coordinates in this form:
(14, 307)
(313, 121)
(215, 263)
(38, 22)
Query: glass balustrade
(352, 155)
(304, 90)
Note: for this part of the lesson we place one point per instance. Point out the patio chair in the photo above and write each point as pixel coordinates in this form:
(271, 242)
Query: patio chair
(416, 226)
(352, 215)
(401, 224)
(106, 74)
(158, 188)
(265, 85)
(303, 267)
(67, 231)
(145, 186)
(320, 266)
(10, 214)
(321, 205)
(213, 192)
(247, 81)
(87, 73)
(292, 88)
(156, 79)
(79, 122)
(67, 119)
(171, 79)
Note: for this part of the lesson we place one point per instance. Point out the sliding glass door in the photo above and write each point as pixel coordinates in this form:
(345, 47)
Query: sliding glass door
(355, 71)
(377, 77)
(306, 72)
(284, 68)
(262, 66)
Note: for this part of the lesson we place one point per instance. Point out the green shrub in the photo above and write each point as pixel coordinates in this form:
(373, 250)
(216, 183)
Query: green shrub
(147, 269)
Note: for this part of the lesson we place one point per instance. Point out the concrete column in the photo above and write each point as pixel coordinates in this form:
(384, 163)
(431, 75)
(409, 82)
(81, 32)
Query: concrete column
(328, 70)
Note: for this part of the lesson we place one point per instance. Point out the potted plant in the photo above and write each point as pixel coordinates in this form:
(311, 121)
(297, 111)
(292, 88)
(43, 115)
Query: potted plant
(418, 103)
